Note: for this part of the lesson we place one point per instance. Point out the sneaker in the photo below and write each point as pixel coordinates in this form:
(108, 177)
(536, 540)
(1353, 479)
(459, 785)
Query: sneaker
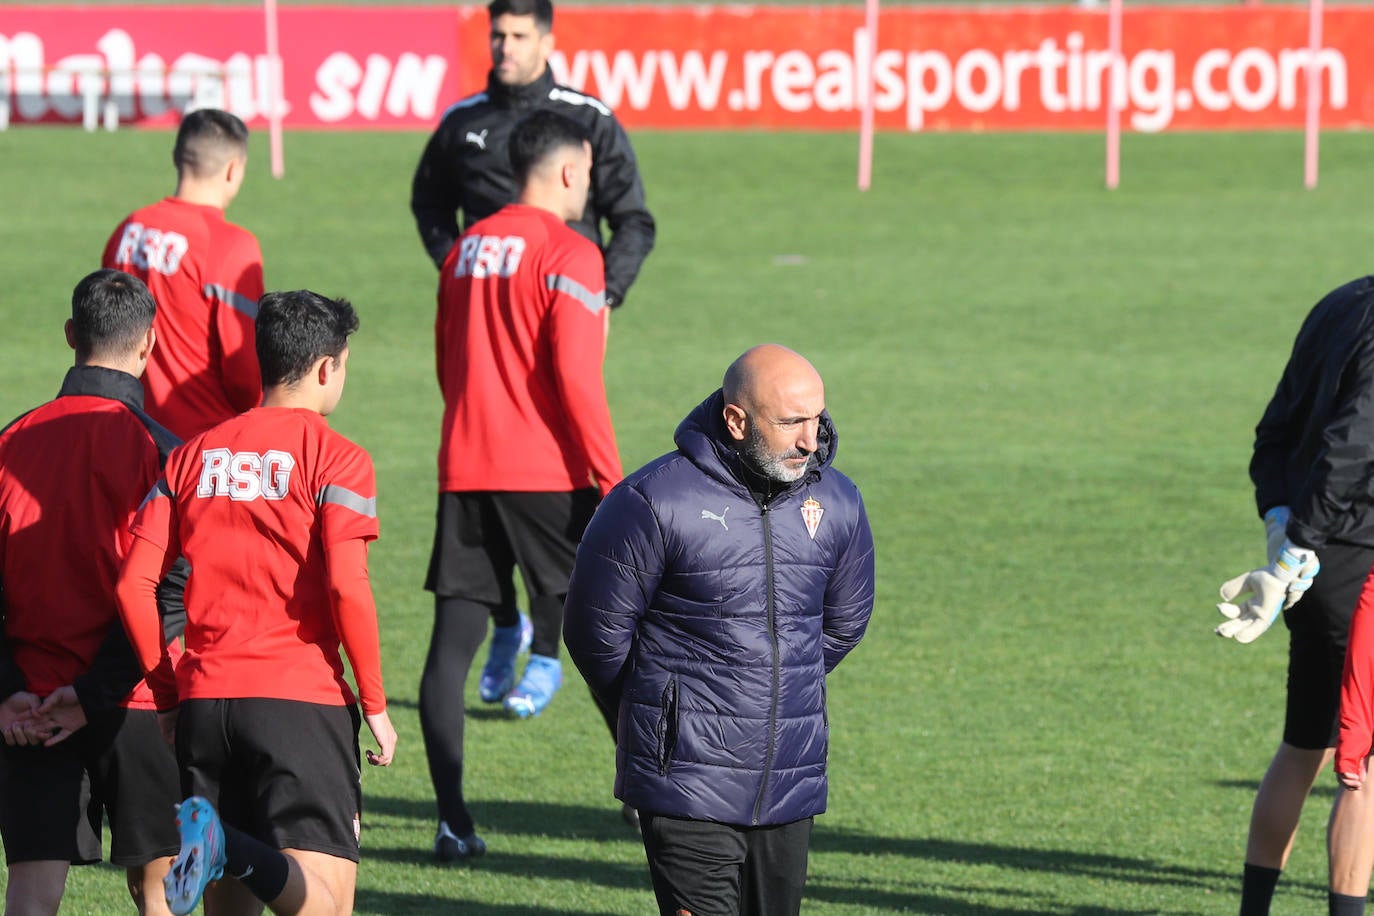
(201, 859)
(451, 848)
(543, 677)
(498, 675)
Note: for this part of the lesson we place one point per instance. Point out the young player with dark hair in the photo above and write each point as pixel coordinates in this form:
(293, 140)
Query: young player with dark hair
(273, 511)
(206, 275)
(527, 447)
(72, 473)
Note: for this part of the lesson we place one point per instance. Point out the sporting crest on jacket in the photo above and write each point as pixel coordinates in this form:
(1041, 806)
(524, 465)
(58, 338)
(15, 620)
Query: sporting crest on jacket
(811, 512)
(478, 140)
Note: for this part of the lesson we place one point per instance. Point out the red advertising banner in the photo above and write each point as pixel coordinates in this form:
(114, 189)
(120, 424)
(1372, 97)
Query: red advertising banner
(972, 68)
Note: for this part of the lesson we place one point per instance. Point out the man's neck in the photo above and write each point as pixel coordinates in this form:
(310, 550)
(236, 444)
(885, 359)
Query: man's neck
(292, 397)
(195, 193)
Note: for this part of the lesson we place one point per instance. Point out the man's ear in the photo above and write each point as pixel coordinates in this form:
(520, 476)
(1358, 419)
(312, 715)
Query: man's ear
(70, 330)
(736, 421)
(324, 370)
(145, 348)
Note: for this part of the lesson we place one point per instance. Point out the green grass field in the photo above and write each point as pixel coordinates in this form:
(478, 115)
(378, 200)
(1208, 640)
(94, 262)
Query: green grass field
(1046, 391)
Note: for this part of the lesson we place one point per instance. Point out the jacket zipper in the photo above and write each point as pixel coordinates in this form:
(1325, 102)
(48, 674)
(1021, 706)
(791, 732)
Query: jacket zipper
(773, 638)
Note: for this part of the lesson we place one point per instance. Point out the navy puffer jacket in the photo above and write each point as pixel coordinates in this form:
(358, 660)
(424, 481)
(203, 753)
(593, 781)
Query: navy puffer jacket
(711, 623)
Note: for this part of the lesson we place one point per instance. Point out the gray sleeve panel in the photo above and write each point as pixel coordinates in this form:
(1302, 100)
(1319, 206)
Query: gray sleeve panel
(342, 496)
(236, 301)
(594, 302)
(159, 490)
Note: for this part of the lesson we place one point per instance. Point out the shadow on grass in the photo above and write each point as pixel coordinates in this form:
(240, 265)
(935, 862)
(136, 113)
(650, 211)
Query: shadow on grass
(512, 819)
(1321, 790)
(397, 904)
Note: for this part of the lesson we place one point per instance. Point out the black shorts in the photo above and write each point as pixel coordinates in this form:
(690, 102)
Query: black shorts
(479, 539)
(1318, 628)
(283, 771)
(52, 799)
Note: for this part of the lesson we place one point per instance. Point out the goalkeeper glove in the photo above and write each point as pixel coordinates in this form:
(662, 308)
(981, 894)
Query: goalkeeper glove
(1276, 587)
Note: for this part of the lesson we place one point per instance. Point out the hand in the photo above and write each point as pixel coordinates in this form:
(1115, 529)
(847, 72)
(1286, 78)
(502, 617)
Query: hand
(62, 711)
(1353, 781)
(17, 715)
(167, 724)
(1276, 587)
(379, 723)
(1275, 531)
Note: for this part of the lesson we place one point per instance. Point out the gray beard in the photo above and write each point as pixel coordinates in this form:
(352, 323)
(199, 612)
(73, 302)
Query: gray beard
(770, 465)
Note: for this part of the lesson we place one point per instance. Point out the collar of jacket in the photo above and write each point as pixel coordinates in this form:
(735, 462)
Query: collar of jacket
(703, 438)
(527, 96)
(99, 382)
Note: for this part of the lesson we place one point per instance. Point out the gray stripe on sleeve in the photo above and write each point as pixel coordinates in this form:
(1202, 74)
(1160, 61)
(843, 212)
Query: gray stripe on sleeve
(594, 302)
(159, 490)
(234, 300)
(342, 496)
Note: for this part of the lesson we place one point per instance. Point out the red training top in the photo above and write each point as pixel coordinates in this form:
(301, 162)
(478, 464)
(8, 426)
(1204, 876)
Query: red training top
(520, 337)
(272, 511)
(72, 473)
(206, 275)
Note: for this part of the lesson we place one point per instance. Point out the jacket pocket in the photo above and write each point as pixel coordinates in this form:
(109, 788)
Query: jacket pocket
(667, 726)
(825, 706)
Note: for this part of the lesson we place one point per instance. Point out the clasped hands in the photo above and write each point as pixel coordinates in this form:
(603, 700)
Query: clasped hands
(27, 720)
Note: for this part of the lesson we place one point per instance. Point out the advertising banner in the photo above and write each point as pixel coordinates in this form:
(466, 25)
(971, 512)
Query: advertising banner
(725, 67)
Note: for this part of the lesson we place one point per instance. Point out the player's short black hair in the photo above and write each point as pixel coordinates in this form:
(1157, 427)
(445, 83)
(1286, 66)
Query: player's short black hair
(207, 139)
(296, 328)
(111, 310)
(537, 137)
(541, 10)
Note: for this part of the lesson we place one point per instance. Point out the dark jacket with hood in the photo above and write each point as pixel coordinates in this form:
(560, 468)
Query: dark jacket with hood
(1314, 446)
(710, 621)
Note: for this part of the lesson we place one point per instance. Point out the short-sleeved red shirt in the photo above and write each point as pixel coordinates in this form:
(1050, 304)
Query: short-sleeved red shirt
(520, 338)
(252, 504)
(206, 275)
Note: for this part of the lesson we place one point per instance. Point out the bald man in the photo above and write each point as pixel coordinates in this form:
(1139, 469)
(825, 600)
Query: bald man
(714, 590)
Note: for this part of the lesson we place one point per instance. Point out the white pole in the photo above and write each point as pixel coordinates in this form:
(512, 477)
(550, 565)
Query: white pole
(1113, 112)
(865, 90)
(1314, 92)
(274, 91)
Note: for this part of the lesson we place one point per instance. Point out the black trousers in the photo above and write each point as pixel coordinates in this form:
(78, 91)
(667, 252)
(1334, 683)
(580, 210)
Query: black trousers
(700, 868)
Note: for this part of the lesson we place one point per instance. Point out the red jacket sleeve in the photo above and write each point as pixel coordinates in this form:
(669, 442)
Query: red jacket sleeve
(578, 324)
(1357, 688)
(143, 569)
(233, 295)
(355, 617)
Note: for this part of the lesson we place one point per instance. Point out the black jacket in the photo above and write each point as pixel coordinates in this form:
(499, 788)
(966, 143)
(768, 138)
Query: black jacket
(464, 167)
(1314, 446)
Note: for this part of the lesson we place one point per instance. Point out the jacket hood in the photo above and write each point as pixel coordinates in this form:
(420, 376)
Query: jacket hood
(704, 440)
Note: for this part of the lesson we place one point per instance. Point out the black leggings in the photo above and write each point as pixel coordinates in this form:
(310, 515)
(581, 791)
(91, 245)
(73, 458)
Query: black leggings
(460, 627)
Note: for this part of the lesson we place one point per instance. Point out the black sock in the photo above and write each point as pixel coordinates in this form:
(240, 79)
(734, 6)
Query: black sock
(546, 613)
(257, 866)
(1257, 889)
(1345, 905)
(505, 615)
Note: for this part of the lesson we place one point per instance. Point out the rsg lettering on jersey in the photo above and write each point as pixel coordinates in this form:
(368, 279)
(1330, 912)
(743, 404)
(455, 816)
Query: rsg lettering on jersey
(245, 476)
(482, 256)
(151, 249)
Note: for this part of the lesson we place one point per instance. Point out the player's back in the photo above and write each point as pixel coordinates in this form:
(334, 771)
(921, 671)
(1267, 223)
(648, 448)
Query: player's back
(72, 474)
(206, 275)
(504, 351)
(256, 499)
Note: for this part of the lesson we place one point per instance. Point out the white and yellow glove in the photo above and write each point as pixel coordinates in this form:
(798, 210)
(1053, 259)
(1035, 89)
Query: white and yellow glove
(1274, 588)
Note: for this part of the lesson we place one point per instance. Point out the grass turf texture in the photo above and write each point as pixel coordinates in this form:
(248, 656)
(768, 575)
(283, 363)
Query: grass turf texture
(1046, 391)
